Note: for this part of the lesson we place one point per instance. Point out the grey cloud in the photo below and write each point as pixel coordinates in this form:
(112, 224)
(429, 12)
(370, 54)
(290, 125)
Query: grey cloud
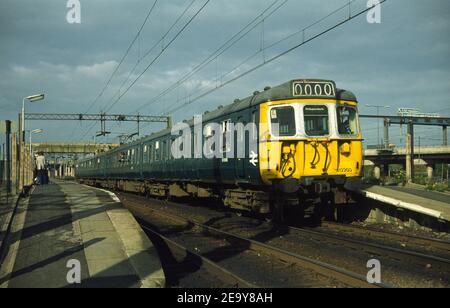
(401, 62)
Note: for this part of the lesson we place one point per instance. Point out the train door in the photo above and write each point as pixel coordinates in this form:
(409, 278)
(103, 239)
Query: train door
(240, 141)
(242, 144)
(227, 171)
(141, 160)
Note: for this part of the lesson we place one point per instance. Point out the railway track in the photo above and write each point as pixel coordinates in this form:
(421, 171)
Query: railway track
(197, 260)
(408, 261)
(343, 277)
(437, 246)
(411, 256)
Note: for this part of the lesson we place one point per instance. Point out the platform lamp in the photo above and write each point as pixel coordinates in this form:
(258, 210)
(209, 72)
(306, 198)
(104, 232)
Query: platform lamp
(35, 131)
(30, 99)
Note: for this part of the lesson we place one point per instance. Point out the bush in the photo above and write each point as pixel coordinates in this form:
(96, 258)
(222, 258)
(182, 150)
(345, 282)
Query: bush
(441, 187)
(399, 176)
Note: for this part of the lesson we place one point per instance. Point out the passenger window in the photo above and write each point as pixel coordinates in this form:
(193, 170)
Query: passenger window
(145, 155)
(157, 150)
(316, 120)
(169, 149)
(347, 120)
(283, 121)
(164, 150)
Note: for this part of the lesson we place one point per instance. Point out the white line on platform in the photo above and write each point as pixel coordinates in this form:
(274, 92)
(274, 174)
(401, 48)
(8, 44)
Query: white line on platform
(403, 204)
(111, 194)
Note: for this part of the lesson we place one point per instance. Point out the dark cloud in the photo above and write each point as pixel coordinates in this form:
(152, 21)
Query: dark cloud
(402, 62)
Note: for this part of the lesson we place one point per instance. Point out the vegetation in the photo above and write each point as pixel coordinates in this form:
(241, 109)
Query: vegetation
(398, 177)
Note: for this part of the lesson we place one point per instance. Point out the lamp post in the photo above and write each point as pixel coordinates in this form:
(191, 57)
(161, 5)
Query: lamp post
(30, 99)
(36, 131)
(378, 114)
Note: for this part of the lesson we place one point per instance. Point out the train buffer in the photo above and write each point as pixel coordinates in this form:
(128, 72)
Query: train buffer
(412, 198)
(69, 235)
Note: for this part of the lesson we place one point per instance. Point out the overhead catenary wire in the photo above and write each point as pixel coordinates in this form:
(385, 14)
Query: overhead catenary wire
(153, 48)
(160, 54)
(157, 57)
(142, 58)
(220, 51)
(124, 56)
(272, 59)
(262, 49)
(130, 46)
(242, 33)
(265, 48)
(149, 51)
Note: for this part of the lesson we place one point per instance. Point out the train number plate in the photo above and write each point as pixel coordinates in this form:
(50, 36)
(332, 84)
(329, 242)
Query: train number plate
(306, 88)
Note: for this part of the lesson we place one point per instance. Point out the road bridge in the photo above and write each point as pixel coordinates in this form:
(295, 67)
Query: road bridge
(72, 148)
(393, 156)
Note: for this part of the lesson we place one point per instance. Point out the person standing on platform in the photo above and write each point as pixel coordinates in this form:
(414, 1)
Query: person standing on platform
(46, 177)
(35, 172)
(40, 166)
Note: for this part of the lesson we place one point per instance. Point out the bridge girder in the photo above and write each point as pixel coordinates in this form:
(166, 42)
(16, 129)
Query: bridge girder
(72, 148)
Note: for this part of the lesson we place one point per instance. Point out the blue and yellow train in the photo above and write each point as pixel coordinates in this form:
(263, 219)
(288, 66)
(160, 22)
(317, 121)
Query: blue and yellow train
(304, 153)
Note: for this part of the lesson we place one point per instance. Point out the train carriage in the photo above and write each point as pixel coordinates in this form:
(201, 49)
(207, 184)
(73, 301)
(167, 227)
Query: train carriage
(308, 153)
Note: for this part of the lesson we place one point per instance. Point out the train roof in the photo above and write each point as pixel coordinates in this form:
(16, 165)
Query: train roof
(284, 91)
(281, 92)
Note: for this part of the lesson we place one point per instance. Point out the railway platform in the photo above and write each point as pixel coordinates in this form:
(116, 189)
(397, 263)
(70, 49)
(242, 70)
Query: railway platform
(415, 199)
(69, 235)
(7, 204)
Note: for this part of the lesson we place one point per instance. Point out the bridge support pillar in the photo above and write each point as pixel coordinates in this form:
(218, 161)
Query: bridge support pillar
(377, 172)
(445, 136)
(430, 173)
(387, 123)
(410, 153)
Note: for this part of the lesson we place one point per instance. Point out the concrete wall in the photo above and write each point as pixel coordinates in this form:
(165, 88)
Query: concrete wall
(374, 212)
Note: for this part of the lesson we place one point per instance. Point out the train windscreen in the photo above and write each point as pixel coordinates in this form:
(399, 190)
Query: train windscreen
(316, 121)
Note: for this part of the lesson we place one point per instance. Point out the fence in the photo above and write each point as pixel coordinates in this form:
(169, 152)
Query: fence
(16, 165)
(5, 157)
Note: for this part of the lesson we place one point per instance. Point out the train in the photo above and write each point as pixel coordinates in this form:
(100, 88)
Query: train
(294, 150)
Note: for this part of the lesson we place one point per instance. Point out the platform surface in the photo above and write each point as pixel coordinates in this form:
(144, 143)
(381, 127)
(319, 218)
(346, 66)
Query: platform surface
(420, 200)
(7, 205)
(66, 221)
(423, 193)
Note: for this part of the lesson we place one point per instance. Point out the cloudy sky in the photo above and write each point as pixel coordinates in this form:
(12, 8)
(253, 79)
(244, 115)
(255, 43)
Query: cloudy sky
(402, 62)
